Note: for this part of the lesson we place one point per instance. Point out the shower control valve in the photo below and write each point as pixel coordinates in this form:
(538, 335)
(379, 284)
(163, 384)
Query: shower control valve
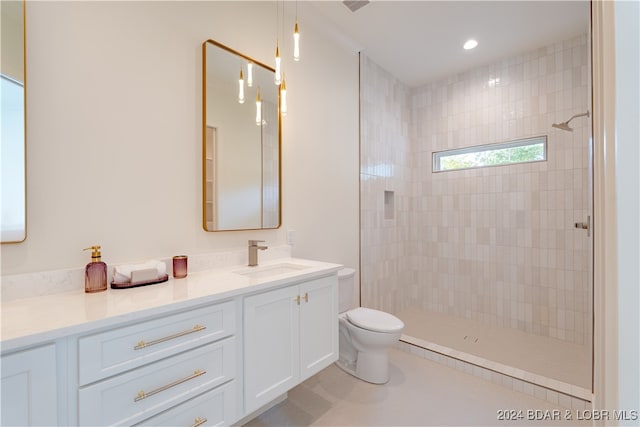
(584, 225)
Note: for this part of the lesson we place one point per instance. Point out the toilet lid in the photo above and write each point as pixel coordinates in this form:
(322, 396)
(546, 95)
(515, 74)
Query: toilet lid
(374, 320)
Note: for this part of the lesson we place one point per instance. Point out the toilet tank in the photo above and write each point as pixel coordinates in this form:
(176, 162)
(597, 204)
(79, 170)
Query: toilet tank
(345, 288)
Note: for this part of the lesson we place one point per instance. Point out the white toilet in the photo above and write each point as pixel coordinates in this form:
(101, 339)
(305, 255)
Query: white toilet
(365, 335)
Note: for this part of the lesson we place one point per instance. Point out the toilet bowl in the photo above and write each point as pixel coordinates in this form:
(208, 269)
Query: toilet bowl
(365, 335)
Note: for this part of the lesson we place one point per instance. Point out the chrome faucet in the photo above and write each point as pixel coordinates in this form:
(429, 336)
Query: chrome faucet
(253, 251)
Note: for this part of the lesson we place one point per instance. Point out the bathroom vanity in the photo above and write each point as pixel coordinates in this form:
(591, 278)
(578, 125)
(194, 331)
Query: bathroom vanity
(210, 349)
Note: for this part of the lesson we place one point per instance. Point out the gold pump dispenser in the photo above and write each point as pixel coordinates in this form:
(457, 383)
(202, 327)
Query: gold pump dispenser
(95, 253)
(95, 273)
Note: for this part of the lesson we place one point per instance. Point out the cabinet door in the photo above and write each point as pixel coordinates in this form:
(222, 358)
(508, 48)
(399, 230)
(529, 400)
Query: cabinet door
(29, 387)
(318, 325)
(272, 360)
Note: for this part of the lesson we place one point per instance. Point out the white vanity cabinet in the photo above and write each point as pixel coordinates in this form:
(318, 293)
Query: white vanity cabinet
(132, 373)
(290, 333)
(206, 350)
(29, 387)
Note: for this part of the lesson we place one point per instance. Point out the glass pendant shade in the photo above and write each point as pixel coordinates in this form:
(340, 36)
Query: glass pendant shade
(241, 88)
(258, 109)
(296, 43)
(278, 69)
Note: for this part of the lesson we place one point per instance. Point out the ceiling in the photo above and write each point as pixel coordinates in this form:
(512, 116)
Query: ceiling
(421, 41)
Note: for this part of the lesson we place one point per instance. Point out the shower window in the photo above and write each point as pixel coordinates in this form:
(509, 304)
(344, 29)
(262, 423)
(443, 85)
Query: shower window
(505, 153)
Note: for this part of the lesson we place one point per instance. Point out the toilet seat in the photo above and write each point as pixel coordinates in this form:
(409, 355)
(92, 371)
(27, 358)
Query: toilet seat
(374, 320)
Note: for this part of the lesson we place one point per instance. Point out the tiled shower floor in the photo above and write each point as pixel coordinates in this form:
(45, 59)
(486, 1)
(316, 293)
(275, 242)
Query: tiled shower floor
(546, 357)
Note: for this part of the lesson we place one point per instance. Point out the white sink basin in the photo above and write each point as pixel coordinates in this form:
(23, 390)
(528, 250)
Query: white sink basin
(260, 272)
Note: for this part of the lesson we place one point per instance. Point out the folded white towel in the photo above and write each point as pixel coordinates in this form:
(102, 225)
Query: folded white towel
(122, 273)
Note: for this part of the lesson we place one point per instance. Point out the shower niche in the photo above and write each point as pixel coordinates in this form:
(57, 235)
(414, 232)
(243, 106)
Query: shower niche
(389, 205)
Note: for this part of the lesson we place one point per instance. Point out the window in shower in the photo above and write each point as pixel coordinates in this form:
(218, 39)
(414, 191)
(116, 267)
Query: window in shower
(505, 153)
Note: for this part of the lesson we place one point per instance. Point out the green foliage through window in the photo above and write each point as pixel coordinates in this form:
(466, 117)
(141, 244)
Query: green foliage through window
(521, 151)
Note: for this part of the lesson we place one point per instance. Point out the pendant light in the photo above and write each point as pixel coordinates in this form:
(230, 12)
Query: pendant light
(277, 77)
(250, 74)
(296, 38)
(283, 97)
(241, 87)
(258, 108)
(278, 68)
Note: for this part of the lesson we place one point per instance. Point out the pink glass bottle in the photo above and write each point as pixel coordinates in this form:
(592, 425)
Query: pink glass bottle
(95, 274)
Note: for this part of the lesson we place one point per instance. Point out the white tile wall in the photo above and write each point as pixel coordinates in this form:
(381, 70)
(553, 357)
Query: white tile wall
(386, 164)
(496, 244)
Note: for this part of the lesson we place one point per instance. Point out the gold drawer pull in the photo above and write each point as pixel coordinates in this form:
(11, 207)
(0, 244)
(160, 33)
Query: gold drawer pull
(306, 297)
(143, 395)
(199, 421)
(142, 344)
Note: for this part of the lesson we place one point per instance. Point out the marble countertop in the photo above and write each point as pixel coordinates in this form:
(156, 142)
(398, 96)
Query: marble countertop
(29, 321)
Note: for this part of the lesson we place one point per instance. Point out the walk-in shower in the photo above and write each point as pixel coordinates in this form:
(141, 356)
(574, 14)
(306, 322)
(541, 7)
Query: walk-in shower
(484, 264)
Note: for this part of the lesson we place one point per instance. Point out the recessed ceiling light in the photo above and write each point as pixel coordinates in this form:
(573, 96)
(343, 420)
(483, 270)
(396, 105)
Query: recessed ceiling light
(470, 44)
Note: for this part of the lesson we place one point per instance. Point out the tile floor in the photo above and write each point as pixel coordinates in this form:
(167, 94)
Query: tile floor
(419, 393)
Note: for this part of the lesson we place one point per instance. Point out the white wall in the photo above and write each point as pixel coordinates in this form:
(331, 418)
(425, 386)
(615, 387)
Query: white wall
(616, 57)
(627, 69)
(320, 153)
(115, 123)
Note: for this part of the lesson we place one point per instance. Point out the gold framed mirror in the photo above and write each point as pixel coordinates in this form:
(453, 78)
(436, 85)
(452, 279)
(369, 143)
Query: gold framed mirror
(13, 228)
(241, 142)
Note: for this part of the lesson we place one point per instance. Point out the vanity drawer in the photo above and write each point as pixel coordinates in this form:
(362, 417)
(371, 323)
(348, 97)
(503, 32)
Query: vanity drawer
(133, 396)
(109, 353)
(213, 408)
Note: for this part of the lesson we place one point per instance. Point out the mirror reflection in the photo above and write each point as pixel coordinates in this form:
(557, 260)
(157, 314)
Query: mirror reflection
(12, 71)
(241, 142)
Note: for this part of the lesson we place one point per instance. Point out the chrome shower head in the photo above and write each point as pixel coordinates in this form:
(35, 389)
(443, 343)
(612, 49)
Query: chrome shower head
(565, 125)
